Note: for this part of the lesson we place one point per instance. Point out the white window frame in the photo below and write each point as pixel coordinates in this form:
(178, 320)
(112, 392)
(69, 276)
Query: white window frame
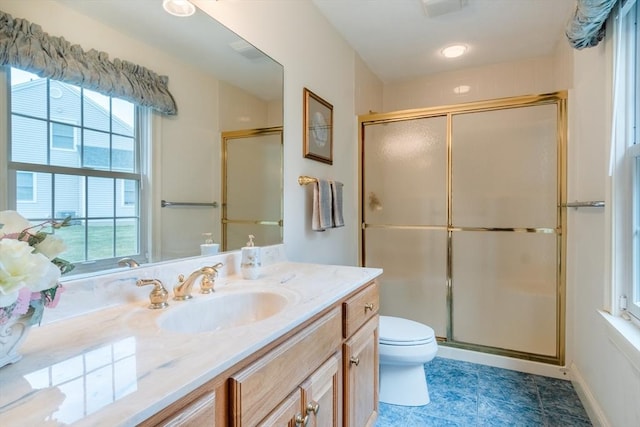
(8, 175)
(626, 163)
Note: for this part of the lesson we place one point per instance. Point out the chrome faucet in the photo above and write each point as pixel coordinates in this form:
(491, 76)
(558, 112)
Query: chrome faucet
(182, 291)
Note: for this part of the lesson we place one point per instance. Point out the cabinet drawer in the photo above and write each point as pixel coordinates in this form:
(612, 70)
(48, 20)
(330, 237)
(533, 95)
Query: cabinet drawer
(360, 308)
(261, 387)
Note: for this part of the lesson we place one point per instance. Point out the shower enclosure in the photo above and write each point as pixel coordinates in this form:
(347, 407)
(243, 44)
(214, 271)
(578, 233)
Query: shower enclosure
(462, 208)
(251, 187)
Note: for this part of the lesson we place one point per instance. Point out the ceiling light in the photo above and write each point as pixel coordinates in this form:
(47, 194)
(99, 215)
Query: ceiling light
(179, 7)
(454, 51)
(459, 90)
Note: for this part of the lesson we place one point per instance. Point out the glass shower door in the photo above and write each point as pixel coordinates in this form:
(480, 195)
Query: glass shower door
(252, 187)
(405, 216)
(505, 222)
(462, 208)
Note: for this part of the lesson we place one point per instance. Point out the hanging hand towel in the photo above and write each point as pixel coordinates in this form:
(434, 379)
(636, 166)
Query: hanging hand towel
(336, 205)
(322, 216)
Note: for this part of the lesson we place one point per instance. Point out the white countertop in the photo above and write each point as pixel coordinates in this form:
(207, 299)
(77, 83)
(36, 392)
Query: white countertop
(116, 367)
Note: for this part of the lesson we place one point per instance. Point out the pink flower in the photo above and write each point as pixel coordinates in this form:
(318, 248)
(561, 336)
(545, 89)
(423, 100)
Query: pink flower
(22, 303)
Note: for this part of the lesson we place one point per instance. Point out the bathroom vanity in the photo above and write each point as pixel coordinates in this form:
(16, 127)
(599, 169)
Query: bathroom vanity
(310, 359)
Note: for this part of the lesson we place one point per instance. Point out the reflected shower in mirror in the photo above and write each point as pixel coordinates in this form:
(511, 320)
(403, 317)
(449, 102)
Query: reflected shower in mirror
(221, 83)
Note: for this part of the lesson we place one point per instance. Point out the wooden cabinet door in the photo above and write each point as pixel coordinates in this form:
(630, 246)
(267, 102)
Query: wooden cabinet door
(201, 412)
(261, 387)
(323, 394)
(287, 413)
(360, 360)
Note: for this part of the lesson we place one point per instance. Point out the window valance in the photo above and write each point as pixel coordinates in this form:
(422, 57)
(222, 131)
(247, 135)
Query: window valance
(587, 26)
(24, 45)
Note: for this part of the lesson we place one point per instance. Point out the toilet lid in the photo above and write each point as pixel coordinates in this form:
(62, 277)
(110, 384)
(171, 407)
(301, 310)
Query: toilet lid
(399, 331)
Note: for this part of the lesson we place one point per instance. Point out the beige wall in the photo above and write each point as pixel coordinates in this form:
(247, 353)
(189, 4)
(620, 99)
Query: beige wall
(604, 374)
(295, 34)
(527, 77)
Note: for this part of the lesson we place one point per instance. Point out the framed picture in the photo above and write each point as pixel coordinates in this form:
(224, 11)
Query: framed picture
(318, 128)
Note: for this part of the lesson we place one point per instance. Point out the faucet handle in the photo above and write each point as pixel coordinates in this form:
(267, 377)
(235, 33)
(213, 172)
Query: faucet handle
(209, 278)
(158, 296)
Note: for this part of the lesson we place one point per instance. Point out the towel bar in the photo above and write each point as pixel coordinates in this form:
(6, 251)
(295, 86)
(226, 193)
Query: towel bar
(165, 204)
(304, 180)
(591, 204)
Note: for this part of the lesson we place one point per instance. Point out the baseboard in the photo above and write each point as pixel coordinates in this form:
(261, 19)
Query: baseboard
(590, 404)
(521, 365)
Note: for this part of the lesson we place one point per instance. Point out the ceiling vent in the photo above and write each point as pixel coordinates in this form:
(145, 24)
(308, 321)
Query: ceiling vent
(433, 8)
(247, 50)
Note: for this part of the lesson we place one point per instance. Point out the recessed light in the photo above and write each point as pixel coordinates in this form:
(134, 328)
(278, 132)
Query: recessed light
(454, 51)
(179, 7)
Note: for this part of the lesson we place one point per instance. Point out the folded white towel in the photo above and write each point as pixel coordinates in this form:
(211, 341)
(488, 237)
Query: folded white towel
(322, 216)
(336, 205)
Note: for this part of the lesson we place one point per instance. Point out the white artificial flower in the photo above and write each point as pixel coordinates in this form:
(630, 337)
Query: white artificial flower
(20, 268)
(51, 246)
(12, 222)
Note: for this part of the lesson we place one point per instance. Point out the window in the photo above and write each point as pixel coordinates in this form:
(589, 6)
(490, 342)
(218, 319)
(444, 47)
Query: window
(129, 193)
(25, 187)
(627, 147)
(81, 151)
(62, 136)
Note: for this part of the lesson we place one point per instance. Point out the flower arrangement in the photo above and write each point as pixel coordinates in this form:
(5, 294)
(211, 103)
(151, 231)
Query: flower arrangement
(29, 266)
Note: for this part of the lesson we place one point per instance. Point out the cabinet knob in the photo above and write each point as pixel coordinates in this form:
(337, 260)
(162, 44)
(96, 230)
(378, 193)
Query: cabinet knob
(313, 406)
(301, 421)
(368, 306)
(354, 360)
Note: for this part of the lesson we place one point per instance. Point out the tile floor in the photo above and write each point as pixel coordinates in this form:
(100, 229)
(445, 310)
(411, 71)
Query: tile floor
(467, 394)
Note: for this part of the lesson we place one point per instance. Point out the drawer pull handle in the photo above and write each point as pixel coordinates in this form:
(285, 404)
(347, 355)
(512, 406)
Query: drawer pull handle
(313, 407)
(354, 360)
(368, 306)
(301, 421)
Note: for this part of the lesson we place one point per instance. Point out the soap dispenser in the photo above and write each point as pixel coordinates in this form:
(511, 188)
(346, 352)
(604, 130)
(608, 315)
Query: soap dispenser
(250, 263)
(208, 247)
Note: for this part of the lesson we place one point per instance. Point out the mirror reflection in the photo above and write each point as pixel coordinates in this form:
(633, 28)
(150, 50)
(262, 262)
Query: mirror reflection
(222, 86)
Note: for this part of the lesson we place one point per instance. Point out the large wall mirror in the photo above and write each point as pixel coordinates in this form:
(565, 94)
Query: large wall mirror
(222, 85)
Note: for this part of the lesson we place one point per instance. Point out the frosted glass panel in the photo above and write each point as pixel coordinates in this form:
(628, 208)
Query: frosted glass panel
(265, 234)
(254, 178)
(415, 277)
(405, 177)
(504, 290)
(504, 168)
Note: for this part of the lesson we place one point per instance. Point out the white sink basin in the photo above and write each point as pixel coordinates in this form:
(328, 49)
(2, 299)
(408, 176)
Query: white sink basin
(221, 312)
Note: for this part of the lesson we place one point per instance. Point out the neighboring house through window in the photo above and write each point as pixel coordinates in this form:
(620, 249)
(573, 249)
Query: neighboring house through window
(62, 136)
(75, 152)
(25, 187)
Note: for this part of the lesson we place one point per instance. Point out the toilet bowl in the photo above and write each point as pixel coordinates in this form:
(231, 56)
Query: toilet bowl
(404, 347)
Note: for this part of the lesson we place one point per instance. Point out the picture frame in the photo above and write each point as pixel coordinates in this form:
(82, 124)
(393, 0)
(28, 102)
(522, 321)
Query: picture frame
(318, 128)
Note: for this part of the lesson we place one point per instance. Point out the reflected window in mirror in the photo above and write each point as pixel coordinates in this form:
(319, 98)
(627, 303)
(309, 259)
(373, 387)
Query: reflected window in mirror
(77, 153)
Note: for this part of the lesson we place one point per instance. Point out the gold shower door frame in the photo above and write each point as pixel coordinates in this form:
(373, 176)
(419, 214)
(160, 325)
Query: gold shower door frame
(557, 98)
(256, 223)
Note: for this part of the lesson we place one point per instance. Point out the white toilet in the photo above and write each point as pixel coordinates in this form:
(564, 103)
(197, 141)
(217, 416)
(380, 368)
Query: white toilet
(405, 346)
